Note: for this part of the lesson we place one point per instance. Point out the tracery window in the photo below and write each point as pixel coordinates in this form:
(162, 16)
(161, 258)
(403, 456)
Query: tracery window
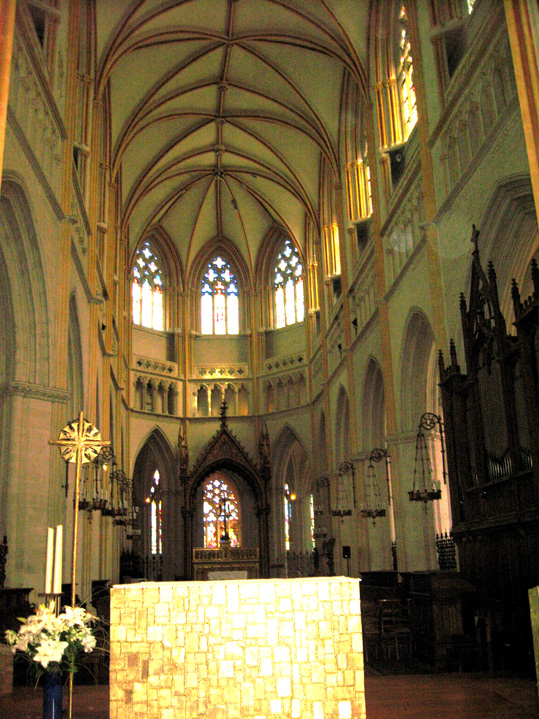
(358, 176)
(147, 289)
(219, 304)
(221, 513)
(288, 287)
(154, 500)
(405, 76)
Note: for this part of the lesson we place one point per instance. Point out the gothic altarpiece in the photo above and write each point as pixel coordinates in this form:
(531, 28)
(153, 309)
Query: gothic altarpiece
(224, 456)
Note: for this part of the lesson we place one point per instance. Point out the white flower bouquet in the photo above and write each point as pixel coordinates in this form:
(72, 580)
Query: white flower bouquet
(54, 642)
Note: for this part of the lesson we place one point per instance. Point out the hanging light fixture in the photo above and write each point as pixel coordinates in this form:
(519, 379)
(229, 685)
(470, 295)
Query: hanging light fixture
(343, 508)
(372, 508)
(348, 466)
(108, 508)
(93, 495)
(105, 488)
(131, 530)
(119, 487)
(321, 506)
(425, 488)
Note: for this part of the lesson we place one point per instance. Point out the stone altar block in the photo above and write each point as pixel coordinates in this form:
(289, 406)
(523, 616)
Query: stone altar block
(228, 649)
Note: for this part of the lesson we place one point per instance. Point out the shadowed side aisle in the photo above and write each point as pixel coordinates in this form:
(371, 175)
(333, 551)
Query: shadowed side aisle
(449, 696)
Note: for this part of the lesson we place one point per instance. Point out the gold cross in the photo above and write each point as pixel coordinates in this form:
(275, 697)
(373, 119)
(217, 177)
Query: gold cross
(79, 439)
(78, 442)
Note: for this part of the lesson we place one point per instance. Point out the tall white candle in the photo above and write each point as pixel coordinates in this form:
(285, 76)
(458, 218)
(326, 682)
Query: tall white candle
(48, 563)
(58, 559)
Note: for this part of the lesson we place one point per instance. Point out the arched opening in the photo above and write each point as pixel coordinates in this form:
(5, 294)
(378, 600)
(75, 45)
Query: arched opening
(293, 507)
(421, 460)
(378, 535)
(155, 554)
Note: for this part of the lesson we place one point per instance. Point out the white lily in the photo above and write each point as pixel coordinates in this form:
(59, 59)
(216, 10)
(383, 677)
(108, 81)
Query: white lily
(50, 650)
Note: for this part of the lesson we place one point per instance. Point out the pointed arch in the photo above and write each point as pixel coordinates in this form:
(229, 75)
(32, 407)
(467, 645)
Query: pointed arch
(419, 379)
(273, 243)
(287, 444)
(170, 275)
(354, 112)
(509, 221)
(224, 455)
(373, 407)
(153, 483)
(393, 72)
(25, 278)
(291, 492)
(220, 247)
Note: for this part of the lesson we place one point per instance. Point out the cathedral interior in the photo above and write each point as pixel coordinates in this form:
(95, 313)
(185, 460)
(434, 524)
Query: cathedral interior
(269, 303)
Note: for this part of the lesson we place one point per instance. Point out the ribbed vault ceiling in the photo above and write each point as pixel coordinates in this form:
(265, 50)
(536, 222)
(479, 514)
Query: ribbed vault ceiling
(221, 110)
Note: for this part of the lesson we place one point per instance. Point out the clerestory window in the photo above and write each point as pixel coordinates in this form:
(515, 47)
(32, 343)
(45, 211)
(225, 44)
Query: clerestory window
(147, 289)
(288, 287)
(219, 302)
(405, 75)
(358, 183)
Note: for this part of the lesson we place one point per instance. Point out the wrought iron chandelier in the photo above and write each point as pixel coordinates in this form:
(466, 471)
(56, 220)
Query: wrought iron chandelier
(107, 489)
(321, 504)
(425, 488)
(372, 508)
(344, 505)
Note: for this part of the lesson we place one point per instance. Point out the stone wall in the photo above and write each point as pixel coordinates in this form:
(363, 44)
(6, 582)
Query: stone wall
(230, 649)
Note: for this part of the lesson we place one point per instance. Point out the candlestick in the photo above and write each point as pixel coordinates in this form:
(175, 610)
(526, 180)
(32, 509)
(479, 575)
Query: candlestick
(58, 559)
(48, 564)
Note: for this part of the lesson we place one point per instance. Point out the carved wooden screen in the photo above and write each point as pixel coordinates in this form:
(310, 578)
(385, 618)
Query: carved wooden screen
(491, 420)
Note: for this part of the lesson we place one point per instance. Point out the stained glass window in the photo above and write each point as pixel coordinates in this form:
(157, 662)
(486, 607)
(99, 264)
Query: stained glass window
(154, 500)
(311, 517)
(288, 287)
(288, 499)
(405, 76)
(221, 513)
(219, 304)
(147, 289)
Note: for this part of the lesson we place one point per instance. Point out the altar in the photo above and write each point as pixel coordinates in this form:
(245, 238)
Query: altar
(225, 563)
(227, 649)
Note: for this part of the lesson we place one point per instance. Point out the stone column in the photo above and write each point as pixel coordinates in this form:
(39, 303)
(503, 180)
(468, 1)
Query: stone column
(7, 26)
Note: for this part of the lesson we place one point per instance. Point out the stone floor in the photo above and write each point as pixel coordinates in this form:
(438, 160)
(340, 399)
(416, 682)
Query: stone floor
(403, 696)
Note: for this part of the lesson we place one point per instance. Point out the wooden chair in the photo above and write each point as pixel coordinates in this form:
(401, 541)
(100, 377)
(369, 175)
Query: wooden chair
(395, 631)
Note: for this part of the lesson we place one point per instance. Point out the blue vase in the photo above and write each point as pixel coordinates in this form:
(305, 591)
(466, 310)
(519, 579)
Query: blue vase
(52, 696)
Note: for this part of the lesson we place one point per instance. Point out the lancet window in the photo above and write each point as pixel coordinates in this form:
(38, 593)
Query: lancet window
(288, 287)
(288, 499)
(221, 513)
(358, 176)
(311, 520)
(405, 76)
(219, 302)
(154, 501)
(147, 289)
